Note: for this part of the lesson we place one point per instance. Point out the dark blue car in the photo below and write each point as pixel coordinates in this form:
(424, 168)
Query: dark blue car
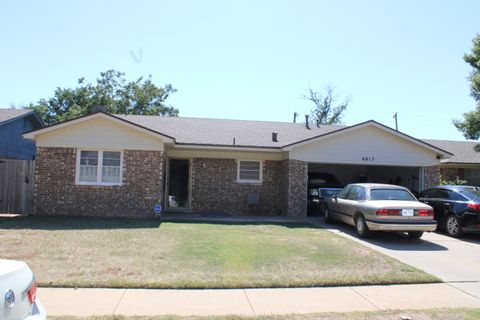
(457, 208)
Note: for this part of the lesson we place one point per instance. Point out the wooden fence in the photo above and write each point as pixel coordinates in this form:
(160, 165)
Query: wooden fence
(16, 186)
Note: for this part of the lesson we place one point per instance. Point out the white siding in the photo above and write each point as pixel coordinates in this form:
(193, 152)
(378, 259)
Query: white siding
(368, 146)
(100, 133)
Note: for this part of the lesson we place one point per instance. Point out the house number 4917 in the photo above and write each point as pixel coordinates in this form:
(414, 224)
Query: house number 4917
(368, 159)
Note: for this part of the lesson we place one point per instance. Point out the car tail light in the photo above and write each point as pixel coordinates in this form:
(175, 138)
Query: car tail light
(474, 206)
(388, 212)
(425, 213)
(32, 292)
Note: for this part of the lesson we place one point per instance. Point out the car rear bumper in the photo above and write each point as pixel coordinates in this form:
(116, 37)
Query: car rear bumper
(38, 312)
(388, 226)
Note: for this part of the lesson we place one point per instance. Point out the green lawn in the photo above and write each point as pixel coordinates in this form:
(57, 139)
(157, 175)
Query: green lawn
(88, 252)
(434, 314)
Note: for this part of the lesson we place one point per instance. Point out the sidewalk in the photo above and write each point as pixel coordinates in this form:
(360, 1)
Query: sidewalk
(251, 302)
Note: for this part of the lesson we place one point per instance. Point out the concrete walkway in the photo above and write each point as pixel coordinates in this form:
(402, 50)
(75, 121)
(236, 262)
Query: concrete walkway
(251, 302)
(455, 261)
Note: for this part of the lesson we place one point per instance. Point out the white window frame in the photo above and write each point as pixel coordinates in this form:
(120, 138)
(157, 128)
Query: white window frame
(260, 164)
(99, 168)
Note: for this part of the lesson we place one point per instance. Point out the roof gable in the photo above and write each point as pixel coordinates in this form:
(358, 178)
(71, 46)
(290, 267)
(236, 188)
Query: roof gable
(36, 133)
(371, 123)
(367, 145)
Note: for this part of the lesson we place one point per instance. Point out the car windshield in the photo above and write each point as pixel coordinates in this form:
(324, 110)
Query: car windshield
(391, 194)
(471, 192)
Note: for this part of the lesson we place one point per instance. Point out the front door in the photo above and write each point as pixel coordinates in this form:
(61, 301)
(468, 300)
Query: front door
(178, 184)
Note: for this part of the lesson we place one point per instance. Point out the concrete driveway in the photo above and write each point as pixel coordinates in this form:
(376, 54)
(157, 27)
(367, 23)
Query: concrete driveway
(455, 261)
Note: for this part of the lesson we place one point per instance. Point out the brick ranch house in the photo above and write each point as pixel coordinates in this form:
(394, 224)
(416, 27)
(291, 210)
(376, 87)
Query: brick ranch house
(122, 165)
(464, 164)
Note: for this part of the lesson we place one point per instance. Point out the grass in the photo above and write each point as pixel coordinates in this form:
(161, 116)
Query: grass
(135, 253)
(431, 314)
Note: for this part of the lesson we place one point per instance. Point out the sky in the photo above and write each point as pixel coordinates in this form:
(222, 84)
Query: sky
(254, 59)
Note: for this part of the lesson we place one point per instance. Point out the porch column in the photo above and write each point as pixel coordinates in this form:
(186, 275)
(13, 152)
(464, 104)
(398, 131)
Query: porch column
(296, 173)
(432, 176)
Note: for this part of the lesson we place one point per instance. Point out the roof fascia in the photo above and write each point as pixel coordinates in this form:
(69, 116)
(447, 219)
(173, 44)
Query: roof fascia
(225, 147)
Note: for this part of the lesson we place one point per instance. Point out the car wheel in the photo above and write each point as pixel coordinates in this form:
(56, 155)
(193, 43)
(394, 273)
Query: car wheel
(453, 226)
(327, 217)
(361, 227)
(415, 234)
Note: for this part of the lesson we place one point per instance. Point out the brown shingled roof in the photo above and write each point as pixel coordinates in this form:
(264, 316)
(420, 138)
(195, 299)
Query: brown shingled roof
(462, 150)
(9, 114)
(222, 132)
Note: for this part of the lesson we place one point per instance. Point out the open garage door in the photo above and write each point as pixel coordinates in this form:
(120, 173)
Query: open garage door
(409, 177)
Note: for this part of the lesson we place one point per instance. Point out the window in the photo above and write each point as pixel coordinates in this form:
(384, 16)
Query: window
(391, 194)
(96, 167)
(249, 171)
(428, 194)
(343, 193)
(356, 193)
(442, 194)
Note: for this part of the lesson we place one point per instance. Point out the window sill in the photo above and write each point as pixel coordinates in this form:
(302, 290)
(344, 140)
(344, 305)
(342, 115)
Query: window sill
(98, 184)
(249, 181)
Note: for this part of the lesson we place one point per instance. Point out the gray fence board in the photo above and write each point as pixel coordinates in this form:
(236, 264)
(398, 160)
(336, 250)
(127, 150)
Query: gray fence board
(16, 186)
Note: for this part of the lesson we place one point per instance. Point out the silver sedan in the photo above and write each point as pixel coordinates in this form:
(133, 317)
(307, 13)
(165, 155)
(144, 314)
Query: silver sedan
(380, 207)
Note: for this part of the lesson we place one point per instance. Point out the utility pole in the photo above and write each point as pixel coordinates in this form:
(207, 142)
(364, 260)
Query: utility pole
(396, 121)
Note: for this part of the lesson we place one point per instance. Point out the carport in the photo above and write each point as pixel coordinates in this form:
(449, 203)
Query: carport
(370, 152)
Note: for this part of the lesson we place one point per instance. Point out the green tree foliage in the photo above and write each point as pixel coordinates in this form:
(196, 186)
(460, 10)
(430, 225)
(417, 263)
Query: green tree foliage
(470, 126)
(325, 110)
(112, 92)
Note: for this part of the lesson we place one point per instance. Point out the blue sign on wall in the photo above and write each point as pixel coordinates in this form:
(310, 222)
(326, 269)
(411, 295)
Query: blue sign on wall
(157, 209)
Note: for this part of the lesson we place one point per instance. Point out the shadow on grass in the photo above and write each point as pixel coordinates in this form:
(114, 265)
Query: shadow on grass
(96, 223)
(75, 223)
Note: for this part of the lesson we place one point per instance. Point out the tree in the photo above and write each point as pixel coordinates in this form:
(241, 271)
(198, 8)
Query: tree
(470, 126)
(112, 92)
(325, 111)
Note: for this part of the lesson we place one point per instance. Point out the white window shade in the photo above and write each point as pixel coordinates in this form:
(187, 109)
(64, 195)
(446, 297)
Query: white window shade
(249, 171)
(97, 167)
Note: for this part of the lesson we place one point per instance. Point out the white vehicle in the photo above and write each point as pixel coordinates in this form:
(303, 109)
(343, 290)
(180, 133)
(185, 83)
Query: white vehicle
(18, 292)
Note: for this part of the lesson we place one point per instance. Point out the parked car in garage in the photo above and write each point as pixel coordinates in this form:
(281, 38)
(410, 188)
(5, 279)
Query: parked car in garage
(317, 199)
(19, 292)
(380, 207)
(321, 187)
(457, 208)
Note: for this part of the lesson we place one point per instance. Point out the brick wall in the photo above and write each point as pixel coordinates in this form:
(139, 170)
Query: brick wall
(432, 176)
(295, 187)
(215, 188)
(57, 194)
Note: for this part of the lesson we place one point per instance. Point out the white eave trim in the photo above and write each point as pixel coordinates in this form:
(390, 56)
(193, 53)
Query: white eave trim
(34, 134)
(227, 148)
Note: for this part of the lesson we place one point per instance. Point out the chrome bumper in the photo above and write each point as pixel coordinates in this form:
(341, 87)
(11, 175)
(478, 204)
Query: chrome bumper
(385, 226)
